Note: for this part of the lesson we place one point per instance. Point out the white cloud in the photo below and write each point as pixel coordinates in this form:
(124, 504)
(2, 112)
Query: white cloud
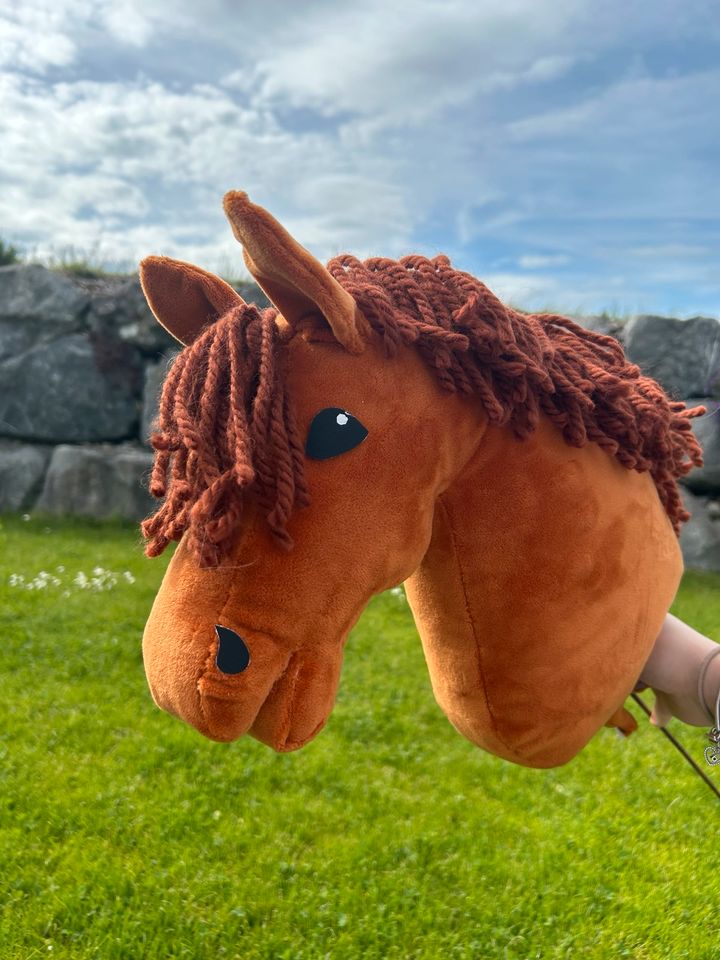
(616, 294)
(663, 251)
(636, 152)
(127, 22)
(374, 128)
(39, 35)
(538, 261)
(85, 158)
(33, 37)
(519, 288)
(379, 62)
(660, 105)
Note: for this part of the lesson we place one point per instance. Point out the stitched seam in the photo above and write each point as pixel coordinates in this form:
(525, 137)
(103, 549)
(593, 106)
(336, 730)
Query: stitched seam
(287, 717)
(468, 612)
(294, 744)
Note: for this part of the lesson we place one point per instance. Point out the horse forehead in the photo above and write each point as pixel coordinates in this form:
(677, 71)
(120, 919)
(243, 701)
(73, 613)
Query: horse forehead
(324, 372)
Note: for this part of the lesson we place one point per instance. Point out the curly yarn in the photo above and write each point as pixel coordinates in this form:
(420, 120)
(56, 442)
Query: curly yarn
(226, 424)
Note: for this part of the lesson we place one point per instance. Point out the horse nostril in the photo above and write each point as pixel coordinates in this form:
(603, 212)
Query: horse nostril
(233, 655)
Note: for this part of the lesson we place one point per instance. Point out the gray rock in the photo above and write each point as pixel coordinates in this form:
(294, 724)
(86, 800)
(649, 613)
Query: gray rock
(700, 536)
(22, 468)
(118, 308)
(602, 323)
(251, 293)
(30, 293)
(99, 480)
(706, 479)
(66, 390)
(683, 355)
(15, 338)
(155, 374)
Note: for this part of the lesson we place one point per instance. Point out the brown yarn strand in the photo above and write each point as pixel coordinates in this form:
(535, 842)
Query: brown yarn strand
(226, 425)
(521, 365)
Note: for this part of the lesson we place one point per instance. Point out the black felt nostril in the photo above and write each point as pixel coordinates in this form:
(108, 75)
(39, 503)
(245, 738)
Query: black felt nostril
(233, 655)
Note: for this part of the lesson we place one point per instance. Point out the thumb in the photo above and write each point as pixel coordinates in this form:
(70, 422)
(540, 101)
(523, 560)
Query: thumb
(661, 712)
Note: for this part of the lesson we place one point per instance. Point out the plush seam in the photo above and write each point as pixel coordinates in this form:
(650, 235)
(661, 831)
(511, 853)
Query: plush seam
(471, 622)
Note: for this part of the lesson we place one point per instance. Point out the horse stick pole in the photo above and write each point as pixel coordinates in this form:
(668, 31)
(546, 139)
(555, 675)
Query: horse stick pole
(678, 746)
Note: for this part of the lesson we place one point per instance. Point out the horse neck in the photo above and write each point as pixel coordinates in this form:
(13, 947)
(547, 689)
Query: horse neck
(513, 500)
(505, 494)
(521, 511)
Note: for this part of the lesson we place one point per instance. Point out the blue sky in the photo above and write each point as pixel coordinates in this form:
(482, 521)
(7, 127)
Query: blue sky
(565, 151)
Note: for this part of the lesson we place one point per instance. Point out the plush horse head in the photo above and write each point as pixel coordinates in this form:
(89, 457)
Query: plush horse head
(389, 422)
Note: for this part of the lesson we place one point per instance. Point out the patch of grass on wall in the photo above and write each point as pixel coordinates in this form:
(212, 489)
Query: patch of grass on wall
(9, 254)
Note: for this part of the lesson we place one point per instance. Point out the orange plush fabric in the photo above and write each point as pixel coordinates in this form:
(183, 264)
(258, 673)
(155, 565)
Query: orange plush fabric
(189, 297)
(517, 474)
(294, 608)
(537, 618)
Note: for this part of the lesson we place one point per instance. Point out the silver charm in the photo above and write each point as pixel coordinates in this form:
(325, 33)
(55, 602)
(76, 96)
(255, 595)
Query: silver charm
(712, 753)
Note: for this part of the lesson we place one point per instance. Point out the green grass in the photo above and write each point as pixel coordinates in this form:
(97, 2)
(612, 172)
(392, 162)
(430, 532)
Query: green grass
(124, 834)
(84, 264)
(9, 253)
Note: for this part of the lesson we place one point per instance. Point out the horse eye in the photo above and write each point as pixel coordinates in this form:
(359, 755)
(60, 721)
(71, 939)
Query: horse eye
(333, 431)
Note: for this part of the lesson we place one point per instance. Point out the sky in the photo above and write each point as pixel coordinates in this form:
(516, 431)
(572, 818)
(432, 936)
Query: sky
(566, 152)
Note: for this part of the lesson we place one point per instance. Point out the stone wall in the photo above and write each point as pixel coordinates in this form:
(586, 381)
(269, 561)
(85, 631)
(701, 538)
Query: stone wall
(82, 362)
(81, 366)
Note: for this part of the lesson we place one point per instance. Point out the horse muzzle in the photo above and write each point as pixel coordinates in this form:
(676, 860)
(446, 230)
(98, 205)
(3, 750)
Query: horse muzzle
(226, 681)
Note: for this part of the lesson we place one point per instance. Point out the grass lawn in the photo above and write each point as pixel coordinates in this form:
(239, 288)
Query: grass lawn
(124, 834)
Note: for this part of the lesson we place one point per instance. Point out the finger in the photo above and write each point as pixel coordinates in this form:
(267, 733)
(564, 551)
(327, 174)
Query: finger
(661, 712)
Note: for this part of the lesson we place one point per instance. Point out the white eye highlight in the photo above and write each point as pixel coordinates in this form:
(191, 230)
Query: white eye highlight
(342, 419)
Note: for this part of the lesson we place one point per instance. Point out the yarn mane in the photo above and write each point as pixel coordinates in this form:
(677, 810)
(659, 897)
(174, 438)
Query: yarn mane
(226, 425)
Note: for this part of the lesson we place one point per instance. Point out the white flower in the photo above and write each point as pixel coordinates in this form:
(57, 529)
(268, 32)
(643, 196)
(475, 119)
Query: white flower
(101, 580)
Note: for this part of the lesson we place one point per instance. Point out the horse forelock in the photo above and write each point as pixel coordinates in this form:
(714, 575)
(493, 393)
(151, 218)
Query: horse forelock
(226, 423)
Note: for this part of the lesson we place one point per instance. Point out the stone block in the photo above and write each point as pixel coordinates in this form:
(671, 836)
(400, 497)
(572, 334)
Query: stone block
(155, 374)
(700, 536)
(30, 293)
(22, 468)
(683, 355)
(64, 391)
(98, 480)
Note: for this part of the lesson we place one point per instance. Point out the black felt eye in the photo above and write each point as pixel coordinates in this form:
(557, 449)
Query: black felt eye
(332, 432)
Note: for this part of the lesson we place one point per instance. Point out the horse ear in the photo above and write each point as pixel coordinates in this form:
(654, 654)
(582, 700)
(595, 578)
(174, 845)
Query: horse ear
(184, 298)
(295, 281)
